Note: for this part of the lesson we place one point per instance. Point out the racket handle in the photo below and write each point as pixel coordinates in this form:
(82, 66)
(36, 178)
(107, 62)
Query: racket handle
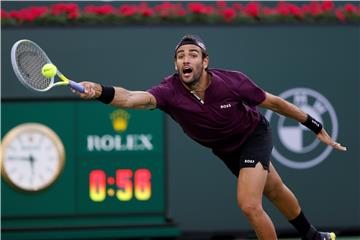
(78, 87)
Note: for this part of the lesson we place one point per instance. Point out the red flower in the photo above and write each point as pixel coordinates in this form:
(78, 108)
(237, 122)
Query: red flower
(229, 14)
(305, 8)
(209, 10)
(287, 9)
(57, 9)
(61, 8)
(315, 8)
(327, 5)
(295, 10)
(106, 9)
(4, 14)
(283, 9)
(39, 11)
(128, 10)
(340, 15)
(71, 7)
(73, 15)
(252, 9)
(237, 6)
(198, 8)
(166, 9)
(100, 10)
(179, 10)
(13, 14)
(350, 8)
(269, 11)
(160, 7)
(26, 15)
(145, 10)
(165, 6)
(90, 9)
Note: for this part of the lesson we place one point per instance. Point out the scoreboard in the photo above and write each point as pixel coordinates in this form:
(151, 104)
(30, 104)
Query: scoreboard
(82, 169)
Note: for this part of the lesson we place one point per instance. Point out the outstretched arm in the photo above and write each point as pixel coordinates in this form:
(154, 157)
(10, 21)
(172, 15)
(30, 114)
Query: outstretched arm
(123, 98)
(287, 109)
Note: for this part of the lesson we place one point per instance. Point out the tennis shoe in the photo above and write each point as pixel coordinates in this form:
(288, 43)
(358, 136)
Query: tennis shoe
(314, 234)
(327, 236)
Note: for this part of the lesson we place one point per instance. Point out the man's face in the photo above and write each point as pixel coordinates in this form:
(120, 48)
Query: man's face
(190, 63)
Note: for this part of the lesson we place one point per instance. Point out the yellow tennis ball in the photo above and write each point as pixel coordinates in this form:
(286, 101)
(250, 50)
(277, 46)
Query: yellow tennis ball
(49, 70)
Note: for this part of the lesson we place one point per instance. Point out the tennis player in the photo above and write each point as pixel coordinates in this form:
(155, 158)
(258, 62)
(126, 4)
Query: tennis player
(217, 108)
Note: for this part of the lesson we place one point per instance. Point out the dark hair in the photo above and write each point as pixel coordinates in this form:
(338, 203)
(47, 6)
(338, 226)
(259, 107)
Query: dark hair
(192, 39)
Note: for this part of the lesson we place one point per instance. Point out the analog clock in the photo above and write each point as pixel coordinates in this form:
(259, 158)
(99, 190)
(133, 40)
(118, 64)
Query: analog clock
(32, 157)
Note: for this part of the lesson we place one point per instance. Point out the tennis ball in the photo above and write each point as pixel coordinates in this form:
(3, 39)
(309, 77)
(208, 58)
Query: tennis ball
(49, 70)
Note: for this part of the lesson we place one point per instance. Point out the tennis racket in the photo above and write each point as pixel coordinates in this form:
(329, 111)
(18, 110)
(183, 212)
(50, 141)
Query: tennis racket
(27, 59)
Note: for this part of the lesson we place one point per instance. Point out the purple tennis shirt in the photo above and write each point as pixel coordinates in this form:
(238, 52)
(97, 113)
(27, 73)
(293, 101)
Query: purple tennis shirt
(228, 115)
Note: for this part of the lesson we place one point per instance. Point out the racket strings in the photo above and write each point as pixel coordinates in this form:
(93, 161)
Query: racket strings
(30, 60)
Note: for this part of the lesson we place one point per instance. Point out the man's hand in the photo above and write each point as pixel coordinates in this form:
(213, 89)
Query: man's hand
(92, 90)
(325, 138)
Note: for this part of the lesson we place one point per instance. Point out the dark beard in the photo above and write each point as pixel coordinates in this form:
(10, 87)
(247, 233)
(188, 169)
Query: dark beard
(195, 81)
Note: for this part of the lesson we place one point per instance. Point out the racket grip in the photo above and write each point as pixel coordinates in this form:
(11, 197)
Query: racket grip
(78, 87)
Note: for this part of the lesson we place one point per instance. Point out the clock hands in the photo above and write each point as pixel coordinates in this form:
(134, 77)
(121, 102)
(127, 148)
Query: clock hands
(30, 159)
(20, 158)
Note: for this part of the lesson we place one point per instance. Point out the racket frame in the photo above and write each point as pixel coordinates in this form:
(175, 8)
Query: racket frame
(64, 80)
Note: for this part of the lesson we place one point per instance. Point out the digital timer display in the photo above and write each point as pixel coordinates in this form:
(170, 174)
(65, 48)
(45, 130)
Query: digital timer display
(126, 185)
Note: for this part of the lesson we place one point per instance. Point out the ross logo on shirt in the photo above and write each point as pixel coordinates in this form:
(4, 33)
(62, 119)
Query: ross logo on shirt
(249, 161)
(225, 106)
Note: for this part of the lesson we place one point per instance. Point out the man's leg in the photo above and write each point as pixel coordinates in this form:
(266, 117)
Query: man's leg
(281, 196)
(251, 183)
(276, 191)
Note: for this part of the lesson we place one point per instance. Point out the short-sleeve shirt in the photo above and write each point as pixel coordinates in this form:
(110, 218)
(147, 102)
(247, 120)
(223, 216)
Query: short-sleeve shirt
(227, 116)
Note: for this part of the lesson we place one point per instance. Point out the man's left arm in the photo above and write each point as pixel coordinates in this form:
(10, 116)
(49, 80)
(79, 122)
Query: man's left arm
(287, 109)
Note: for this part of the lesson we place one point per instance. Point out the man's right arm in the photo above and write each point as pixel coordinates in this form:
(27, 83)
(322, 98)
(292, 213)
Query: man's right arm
(123, 98)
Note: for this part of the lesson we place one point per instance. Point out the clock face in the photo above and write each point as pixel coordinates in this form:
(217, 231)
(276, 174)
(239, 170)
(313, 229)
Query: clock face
(32, 157)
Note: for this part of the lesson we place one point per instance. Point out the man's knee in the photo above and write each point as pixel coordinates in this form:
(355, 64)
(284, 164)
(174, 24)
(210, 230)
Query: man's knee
(250, 209)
